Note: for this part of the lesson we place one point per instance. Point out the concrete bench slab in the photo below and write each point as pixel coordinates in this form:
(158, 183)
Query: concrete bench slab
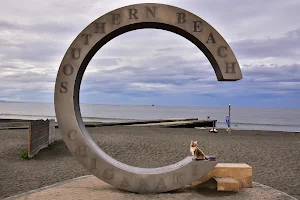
(239, 171)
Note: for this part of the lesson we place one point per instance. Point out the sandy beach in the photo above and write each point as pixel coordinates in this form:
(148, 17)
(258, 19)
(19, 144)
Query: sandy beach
(274, 156)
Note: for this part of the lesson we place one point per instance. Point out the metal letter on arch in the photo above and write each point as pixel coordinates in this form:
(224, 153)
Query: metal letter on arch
(74, 63)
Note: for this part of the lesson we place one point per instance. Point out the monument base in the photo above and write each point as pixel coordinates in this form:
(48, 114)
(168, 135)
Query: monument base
(90, 187)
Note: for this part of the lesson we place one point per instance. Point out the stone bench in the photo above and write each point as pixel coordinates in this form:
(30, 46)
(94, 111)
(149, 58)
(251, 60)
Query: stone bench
(229, 176)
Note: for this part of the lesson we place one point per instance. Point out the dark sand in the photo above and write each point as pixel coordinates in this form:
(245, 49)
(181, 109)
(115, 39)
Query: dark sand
(274, 156)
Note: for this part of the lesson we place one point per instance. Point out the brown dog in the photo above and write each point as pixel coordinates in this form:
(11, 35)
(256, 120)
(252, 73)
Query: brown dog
(196, 152)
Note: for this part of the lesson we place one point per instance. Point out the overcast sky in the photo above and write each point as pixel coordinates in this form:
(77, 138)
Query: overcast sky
(154, 66)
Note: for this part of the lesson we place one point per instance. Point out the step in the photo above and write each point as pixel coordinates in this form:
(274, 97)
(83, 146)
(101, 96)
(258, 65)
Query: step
(227, 184)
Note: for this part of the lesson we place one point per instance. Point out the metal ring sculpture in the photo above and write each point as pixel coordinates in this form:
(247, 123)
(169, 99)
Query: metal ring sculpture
(74, 63)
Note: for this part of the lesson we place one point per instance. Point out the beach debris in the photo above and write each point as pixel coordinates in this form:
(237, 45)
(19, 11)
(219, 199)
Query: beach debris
(212, 158)
(213, 130)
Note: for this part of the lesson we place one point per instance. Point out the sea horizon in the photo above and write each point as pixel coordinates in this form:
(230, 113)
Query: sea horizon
(273, 119)
(163, 105)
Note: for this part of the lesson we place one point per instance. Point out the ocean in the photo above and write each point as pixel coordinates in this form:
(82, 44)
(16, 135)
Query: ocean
(273, 119)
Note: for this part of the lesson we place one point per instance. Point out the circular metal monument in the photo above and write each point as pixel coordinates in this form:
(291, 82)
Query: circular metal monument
(74, 63)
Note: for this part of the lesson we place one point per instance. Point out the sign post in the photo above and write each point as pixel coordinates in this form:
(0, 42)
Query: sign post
(227, 118)
(229, 107)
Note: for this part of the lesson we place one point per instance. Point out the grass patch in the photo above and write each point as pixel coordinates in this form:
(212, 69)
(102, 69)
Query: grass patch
(24, 155)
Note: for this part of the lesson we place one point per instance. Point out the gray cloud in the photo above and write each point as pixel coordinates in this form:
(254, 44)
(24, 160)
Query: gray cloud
(286, 46)
(237, 20)
(265, 36)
